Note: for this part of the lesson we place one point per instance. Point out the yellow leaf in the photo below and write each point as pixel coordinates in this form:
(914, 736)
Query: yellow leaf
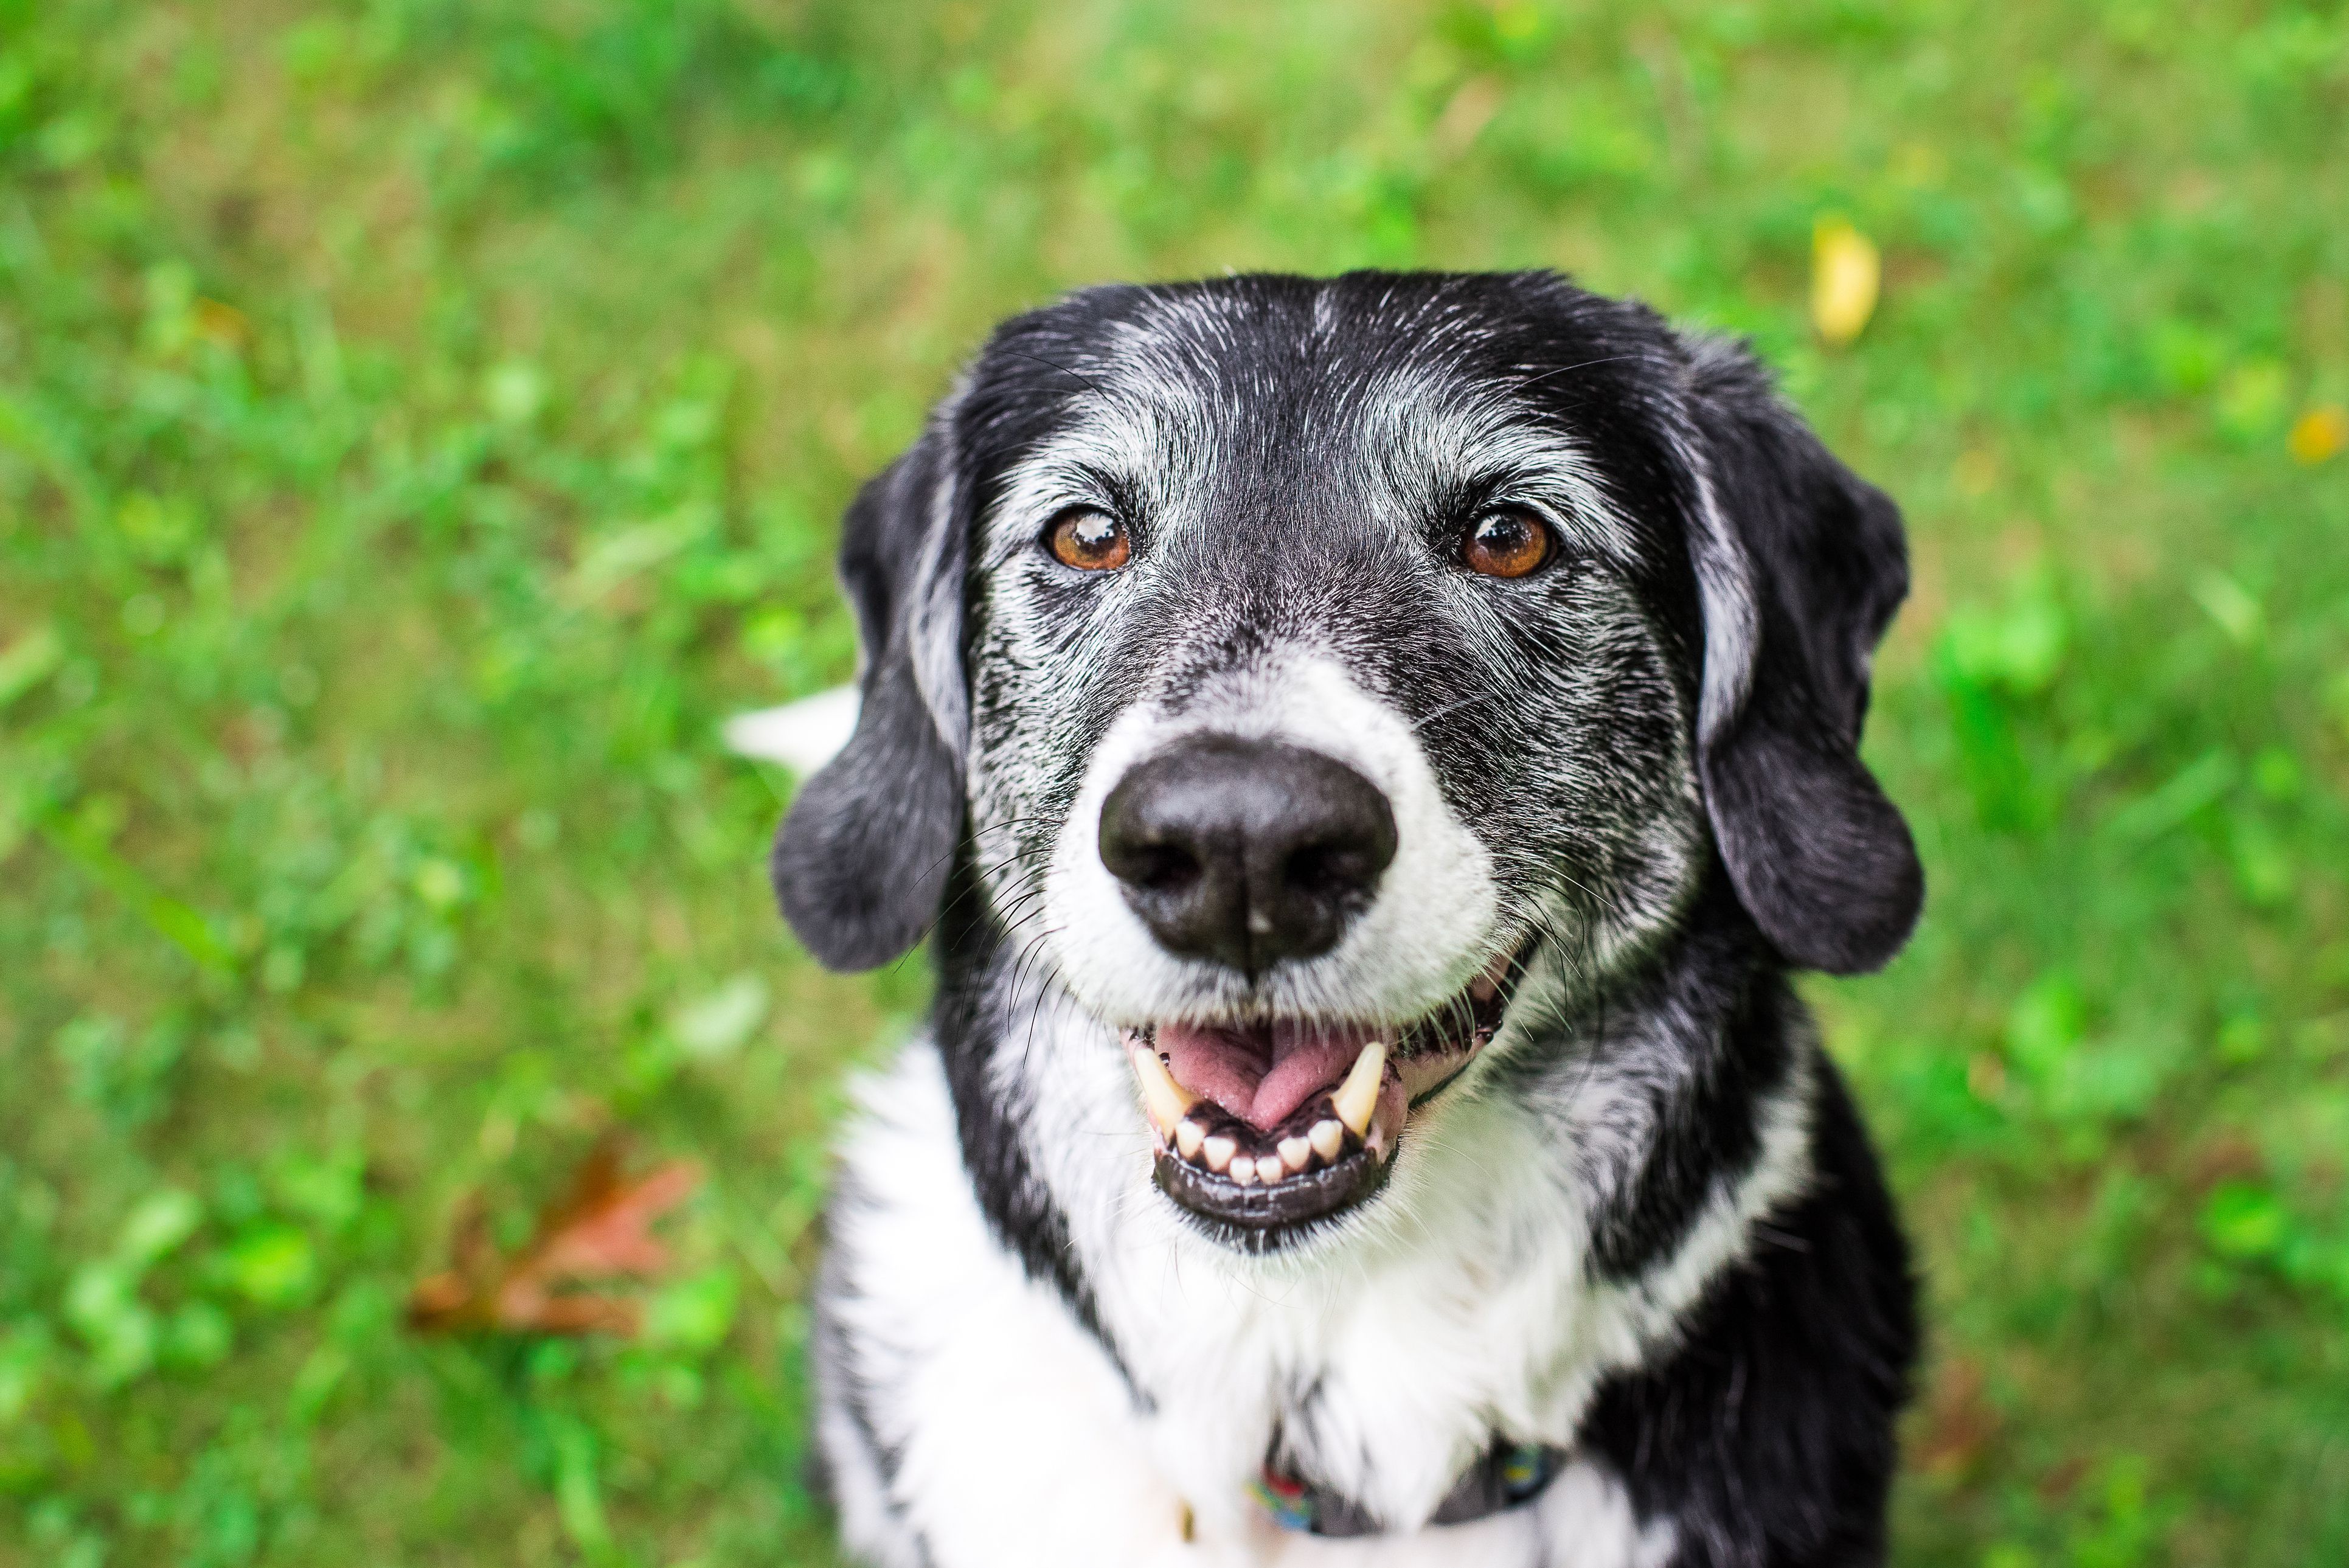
(223, 323)
(2321, 433)
(1845, 273)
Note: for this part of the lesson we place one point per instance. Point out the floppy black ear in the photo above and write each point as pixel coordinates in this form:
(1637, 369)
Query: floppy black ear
(1801, 564)
(863, 858)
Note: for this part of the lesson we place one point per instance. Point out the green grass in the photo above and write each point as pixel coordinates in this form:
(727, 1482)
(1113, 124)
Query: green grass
(422, 421)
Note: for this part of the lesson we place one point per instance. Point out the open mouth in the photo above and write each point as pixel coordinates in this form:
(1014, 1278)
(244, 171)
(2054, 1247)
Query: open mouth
(1265, 1129)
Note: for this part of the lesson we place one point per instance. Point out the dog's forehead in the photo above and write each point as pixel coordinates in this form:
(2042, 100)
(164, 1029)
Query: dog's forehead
(1360, 389)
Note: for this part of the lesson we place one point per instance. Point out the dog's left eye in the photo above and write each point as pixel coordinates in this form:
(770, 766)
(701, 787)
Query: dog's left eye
(1089, 541)
(1507, 542)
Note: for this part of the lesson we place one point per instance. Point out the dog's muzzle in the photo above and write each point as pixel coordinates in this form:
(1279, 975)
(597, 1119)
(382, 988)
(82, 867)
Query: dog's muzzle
(1244, 853)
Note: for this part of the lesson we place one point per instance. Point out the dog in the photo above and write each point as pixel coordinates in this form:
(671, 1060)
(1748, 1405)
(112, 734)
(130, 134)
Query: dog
(1367, 753)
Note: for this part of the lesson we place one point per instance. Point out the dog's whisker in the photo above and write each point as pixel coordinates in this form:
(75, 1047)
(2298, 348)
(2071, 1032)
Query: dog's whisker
(977, 885)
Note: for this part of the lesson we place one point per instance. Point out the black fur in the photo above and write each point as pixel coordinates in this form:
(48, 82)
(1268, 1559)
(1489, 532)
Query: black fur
(971, 1028)
(1740, 1034)
(862, 859)
(1765, 1432)
(1768, 1437)
(1820, 857)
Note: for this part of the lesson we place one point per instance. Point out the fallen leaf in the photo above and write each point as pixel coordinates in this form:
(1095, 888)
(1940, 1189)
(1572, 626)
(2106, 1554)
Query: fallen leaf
(2230, 1156)
(600, 1230)
(1958, 1423)
(1466, 115)
(2064, 1478)
(1846, 272)
(2321, 433)
(222, 323)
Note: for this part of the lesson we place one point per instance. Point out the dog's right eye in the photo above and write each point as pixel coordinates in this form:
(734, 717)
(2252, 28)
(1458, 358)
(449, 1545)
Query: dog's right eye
(1089, 541)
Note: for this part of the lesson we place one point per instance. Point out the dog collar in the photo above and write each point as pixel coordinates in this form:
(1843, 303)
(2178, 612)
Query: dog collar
(1507, 1476)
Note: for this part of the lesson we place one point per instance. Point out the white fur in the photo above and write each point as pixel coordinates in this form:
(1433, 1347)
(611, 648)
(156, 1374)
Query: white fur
(1388, 1350)
(1429, 931)
(1724, 581)
(1421, 423)
(1458, 1307)
(1012, 1434)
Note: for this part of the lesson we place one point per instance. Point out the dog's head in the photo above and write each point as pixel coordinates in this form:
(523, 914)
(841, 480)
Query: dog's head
(1293, 668)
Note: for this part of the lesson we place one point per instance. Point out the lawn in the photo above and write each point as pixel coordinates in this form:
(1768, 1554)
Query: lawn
(423, 421)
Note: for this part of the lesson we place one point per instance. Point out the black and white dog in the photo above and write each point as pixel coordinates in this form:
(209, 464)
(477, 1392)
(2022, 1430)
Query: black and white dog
(1370, 752)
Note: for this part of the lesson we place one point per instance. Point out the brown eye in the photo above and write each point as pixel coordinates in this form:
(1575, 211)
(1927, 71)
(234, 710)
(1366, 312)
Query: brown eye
(1507, 543)
(1089, 541)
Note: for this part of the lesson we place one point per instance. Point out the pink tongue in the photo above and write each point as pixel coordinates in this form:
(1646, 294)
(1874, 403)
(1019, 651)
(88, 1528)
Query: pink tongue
(1261, 1075)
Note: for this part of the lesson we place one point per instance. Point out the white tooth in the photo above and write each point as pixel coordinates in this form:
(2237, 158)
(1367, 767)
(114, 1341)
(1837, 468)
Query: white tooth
(1244, 1172)
(1294, 1152)
(1218, 1152)
(1358, 1094)
(1326, 1138)
(1270, 1168)
(1166, 1100)
(1188, 1136)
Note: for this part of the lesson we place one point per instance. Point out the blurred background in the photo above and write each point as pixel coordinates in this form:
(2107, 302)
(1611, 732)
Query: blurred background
(423, 422)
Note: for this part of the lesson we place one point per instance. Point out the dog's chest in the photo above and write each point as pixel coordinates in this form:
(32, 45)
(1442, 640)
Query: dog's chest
(985, 1398)
(1382, 1384)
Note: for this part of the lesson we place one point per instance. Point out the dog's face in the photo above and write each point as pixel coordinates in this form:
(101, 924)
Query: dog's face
(1294, 668)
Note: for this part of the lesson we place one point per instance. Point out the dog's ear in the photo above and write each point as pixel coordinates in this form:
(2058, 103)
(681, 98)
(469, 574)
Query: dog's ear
(864, 856)
(1800, 564)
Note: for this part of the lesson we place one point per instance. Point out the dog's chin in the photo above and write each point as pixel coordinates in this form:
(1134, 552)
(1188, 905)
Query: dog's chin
(1269, 1133)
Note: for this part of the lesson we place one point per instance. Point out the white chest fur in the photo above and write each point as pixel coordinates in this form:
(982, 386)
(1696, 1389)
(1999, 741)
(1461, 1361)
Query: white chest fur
(1386, 1365)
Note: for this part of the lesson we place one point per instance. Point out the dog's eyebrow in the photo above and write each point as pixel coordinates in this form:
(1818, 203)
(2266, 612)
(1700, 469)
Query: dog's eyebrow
(1472, 434)
(1118, 448)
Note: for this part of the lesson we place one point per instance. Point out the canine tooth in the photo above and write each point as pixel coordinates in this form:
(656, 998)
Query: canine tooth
(1244, 1172)
(1218, 1152)
(1167, 1101)
(1270, 1168)
(1358, 1094)
(1188, 1136)
(1295, 1153)
(1326, 1139)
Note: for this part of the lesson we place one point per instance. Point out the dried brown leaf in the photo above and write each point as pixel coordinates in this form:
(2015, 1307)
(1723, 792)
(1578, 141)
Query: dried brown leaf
(600, 1230)
(1959, 1422)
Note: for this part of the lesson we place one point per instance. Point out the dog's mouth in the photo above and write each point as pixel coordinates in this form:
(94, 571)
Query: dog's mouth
(1265, 1129)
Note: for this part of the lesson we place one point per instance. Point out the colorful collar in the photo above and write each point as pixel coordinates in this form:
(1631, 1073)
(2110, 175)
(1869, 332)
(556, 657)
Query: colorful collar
(1507, 1475)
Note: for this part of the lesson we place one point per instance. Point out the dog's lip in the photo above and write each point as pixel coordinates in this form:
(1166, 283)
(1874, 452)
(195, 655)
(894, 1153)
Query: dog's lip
(1303, 1102)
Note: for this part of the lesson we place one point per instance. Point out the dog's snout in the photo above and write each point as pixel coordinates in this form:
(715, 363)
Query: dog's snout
(1246, 852)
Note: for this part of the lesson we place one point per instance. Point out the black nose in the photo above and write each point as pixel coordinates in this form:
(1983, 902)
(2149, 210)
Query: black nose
(1245, 851)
